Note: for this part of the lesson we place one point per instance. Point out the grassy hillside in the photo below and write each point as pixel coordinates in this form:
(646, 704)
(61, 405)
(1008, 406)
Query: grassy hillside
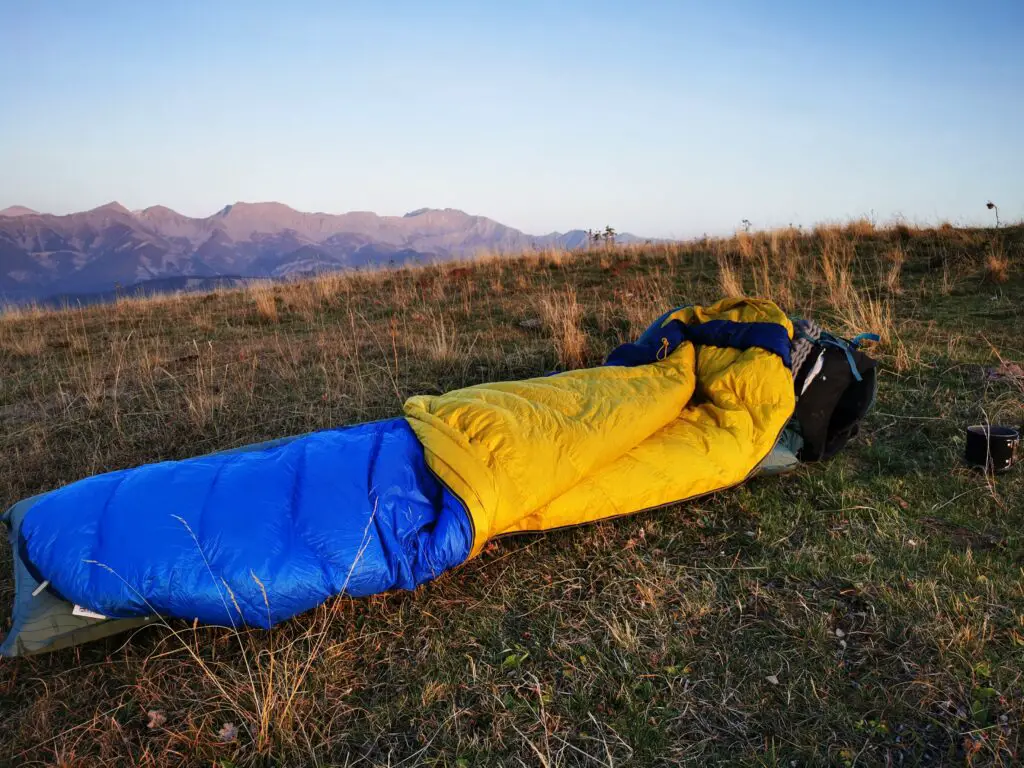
(868, 611)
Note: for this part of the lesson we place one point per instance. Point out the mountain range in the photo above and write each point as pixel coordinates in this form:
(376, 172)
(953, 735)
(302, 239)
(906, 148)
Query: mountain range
(111, 248)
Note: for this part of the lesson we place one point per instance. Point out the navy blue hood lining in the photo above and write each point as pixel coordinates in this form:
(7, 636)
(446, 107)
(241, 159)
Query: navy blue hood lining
(658, 342)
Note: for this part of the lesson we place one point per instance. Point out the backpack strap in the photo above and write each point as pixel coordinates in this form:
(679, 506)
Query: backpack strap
(847, 346)
(856, 340)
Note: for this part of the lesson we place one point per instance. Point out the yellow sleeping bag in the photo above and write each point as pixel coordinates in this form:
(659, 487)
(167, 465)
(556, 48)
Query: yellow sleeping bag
(591, 444)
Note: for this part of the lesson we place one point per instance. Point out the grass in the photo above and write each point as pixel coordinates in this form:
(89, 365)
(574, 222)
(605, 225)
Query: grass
(868, 611)
(562, 315)
(997, 265)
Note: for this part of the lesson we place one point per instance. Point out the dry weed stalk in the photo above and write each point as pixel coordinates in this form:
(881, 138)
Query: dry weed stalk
(896, 257)
(644, 300)
(204, 389)
(442, 339)
(563, 316)
(745, 245)
(729, 281)
(767, 283)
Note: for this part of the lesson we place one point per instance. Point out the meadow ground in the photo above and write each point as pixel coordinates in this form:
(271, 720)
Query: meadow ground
(867, 611)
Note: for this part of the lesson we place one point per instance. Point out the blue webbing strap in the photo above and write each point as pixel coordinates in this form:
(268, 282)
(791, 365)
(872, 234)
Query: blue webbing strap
(827, 339)
(856, 340)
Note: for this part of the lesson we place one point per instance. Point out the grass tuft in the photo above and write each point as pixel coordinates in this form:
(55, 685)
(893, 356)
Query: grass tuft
(997, 265)
(728, 279)
(563, 315)
(264, 301)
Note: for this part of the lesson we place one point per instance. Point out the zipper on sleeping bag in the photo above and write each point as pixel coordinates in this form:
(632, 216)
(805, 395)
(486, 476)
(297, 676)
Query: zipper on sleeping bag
(465, 509)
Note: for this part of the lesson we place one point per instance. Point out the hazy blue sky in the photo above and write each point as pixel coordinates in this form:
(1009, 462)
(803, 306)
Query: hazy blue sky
(661, 118)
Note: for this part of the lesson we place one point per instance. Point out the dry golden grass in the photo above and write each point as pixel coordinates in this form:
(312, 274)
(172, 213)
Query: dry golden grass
(643, 300)
(27, 311)
(563, 316)
(729, 280)
(554, 257)
(773, 280)
(441, 338)
(204, 387)
(862, 227)
(895, 257)
(264, 300)
(850, 288)
(24, 341)
(202, 320)
(746, 245)
(997, 265)
(302, 297)
(328, 286)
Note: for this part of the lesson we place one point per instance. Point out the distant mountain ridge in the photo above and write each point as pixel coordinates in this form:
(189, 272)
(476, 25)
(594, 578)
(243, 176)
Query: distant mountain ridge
(108, 247)
(18, 210)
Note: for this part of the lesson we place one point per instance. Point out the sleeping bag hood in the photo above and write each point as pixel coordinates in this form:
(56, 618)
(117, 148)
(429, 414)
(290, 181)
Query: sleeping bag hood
(259, 534)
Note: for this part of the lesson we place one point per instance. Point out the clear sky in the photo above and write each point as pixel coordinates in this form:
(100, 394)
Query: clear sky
(660, 118)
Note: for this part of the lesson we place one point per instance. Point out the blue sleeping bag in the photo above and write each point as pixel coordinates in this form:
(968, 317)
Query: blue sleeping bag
(254, 537)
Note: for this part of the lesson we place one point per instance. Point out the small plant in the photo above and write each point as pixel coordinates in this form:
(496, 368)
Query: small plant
(609, 236)
(993, 207)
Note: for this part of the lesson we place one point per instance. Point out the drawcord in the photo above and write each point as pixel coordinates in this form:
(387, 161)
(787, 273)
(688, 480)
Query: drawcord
(663, 350)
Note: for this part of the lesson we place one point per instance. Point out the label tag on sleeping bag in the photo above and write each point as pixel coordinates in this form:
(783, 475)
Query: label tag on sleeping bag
(86, 613)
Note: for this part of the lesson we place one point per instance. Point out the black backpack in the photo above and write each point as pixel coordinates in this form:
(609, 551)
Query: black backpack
(835, 385)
